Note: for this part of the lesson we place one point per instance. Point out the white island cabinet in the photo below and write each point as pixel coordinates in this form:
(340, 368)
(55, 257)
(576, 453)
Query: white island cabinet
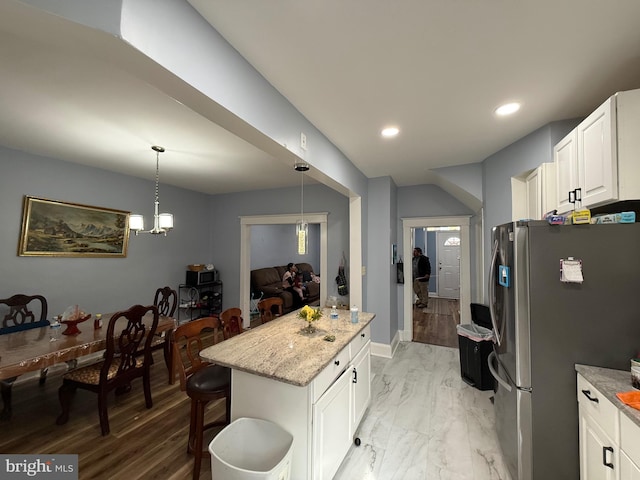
(609, 429)
(315, 389)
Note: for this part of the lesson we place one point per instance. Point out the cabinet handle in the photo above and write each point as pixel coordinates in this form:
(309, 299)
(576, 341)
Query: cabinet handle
(578, 194)
(572, 196)
(337, 362)
(355, 375)
(604, 457)
(587, 393)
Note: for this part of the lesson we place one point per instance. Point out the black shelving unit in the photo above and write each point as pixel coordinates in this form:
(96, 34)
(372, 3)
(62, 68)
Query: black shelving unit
(199, 301)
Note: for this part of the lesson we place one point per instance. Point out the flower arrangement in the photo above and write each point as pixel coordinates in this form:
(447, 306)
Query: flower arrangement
(310, 315)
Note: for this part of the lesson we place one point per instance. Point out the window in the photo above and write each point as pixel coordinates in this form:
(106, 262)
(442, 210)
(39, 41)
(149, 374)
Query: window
(452, 242)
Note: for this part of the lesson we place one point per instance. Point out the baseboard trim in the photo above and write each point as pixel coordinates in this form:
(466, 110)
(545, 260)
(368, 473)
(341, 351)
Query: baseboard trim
(384, 350)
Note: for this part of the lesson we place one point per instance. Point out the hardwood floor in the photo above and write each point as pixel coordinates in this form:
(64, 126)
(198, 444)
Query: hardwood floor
(436, 324)
(143, 444)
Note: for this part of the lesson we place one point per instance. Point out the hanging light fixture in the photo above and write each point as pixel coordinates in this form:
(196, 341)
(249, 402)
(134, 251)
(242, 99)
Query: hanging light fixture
(302, 227)
(162, 222)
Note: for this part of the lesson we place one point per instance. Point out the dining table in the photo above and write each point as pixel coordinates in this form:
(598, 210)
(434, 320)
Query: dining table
(32, 350)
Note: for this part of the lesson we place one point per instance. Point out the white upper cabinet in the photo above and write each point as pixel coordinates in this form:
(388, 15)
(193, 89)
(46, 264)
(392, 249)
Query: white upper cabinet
(565, 156)
(597, 165)
(541, 191)
(598, 161)
(533, 193)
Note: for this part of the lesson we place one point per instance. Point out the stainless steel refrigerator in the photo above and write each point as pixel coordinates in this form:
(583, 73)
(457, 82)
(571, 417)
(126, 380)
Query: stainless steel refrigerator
(545, 325)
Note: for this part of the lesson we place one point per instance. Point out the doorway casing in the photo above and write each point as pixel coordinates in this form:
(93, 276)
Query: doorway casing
(465, 267)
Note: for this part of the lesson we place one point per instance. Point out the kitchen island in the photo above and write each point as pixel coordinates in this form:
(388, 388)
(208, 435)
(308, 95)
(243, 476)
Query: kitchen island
(315, 389)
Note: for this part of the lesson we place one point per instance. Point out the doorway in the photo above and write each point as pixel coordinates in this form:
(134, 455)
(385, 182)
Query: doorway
(436, 323)
(448, 263)
(463, 271)
(245, 252)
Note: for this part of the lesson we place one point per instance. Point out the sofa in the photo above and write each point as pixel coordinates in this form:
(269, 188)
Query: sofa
(267, 282)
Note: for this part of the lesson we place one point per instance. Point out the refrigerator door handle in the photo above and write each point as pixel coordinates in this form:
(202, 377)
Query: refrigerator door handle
(492, 291)
(491, 359)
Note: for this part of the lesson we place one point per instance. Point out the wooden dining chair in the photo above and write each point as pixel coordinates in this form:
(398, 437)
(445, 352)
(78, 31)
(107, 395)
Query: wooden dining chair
(122, 363)
(204, 382)
(232, 321)
(166, 300)
(270, 308)
(20, 312)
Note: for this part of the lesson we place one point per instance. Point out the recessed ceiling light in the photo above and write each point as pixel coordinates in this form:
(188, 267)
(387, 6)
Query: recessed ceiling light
(507, 109)
(390, 132)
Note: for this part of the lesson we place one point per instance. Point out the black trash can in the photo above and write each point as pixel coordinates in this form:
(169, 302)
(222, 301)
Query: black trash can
(474, 352)
(475, 341)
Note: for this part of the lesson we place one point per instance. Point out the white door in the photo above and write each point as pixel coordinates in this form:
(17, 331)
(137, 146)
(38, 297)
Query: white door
(361, 378)
(332, 428)
(598, 454)
(448, 264)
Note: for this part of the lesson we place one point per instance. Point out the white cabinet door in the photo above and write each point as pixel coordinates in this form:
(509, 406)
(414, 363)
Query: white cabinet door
(599, 456)
(361, 378)
(565, 156)
(597, 155)
(534, 195)
(332, 428)
(628, 469)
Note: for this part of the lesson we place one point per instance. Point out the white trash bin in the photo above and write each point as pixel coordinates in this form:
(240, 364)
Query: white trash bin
(251, 449)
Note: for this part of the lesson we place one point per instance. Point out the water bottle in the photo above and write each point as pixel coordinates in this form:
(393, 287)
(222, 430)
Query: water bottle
(54, 330)
(354, 314)
(334, 318)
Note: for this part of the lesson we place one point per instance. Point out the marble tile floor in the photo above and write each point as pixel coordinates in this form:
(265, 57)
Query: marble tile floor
(424, 422)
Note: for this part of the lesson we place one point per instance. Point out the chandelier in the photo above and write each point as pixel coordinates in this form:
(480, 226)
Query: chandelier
(302, 227)
(162, 222)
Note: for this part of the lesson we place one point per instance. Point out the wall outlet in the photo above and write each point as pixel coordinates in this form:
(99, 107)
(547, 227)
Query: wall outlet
(364, 270)
(303, 141)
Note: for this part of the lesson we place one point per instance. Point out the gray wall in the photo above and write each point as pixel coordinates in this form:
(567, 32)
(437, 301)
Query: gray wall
(422, 201)
(97, 284)
(207, 230)
(382, 233)
(273, 245)
(226, 211)
(526, 154)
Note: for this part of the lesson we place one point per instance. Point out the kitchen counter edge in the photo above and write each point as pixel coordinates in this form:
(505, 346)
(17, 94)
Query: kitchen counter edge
(609, 382)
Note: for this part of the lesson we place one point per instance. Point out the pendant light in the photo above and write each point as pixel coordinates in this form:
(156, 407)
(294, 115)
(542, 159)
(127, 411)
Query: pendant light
(302, 227)
(162, 222)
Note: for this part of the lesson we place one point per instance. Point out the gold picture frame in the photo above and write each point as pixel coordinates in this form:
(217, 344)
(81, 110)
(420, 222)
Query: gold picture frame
(53, 228)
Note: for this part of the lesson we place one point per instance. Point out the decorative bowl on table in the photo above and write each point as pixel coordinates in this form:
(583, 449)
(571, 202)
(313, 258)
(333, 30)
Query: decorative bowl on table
(71, 317)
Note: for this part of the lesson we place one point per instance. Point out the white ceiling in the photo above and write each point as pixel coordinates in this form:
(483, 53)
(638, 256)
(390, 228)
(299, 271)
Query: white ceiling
(436, 69)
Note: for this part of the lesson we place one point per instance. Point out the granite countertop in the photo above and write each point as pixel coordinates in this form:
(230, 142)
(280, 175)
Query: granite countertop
(609, 382)
(279, 350)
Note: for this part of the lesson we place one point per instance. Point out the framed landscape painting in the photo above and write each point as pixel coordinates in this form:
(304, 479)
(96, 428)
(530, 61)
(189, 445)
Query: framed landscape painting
(60, 229)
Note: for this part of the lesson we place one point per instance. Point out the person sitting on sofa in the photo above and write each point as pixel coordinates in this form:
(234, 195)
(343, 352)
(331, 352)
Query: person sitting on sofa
(291, 283)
